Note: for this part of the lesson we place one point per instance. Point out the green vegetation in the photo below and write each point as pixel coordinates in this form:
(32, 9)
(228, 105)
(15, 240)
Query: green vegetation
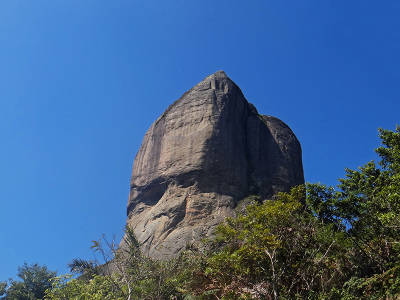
(35, 280)
(342, 244)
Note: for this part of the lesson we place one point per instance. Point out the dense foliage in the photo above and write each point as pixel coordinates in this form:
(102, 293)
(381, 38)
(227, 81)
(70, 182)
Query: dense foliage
(315, 242)
(33, 283)
(343, 244)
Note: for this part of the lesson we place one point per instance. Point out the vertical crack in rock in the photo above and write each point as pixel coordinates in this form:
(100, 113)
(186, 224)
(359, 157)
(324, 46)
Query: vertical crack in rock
(205, 153)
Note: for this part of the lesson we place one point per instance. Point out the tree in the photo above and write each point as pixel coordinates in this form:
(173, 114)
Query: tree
(366, 207)
(65, 287)
(35, 280)
(85, 268)
(277, 251)
(126, 274)
(140, 276)
(341, 244)
(3, 288)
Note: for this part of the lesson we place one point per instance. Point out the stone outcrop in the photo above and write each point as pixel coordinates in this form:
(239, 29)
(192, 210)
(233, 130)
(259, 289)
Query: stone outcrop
(205, 153)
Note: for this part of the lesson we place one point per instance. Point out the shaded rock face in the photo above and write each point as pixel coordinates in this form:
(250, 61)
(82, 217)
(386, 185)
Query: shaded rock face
(205, 153)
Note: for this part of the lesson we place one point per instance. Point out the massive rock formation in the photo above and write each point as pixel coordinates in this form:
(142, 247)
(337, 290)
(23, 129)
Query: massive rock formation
(205, 153)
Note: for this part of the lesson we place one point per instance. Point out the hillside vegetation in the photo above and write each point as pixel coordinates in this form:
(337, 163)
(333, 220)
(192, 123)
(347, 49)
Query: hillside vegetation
(315, 242)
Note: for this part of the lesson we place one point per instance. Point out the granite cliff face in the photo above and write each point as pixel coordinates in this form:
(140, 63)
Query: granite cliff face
(205, 153)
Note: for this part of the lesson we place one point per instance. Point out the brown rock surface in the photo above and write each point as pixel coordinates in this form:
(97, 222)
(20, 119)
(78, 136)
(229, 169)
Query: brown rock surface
(205, 153)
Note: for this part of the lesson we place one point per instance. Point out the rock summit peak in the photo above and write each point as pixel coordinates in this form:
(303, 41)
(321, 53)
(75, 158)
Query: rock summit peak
(206, 153)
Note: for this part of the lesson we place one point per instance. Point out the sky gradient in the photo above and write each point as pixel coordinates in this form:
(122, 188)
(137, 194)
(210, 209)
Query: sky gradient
(82, 81)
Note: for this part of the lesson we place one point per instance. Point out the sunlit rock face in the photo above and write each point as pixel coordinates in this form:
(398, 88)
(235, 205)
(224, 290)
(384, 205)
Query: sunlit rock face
(205, 153)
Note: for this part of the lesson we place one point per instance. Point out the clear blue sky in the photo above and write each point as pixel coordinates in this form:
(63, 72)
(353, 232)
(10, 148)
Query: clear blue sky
(82, 81)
